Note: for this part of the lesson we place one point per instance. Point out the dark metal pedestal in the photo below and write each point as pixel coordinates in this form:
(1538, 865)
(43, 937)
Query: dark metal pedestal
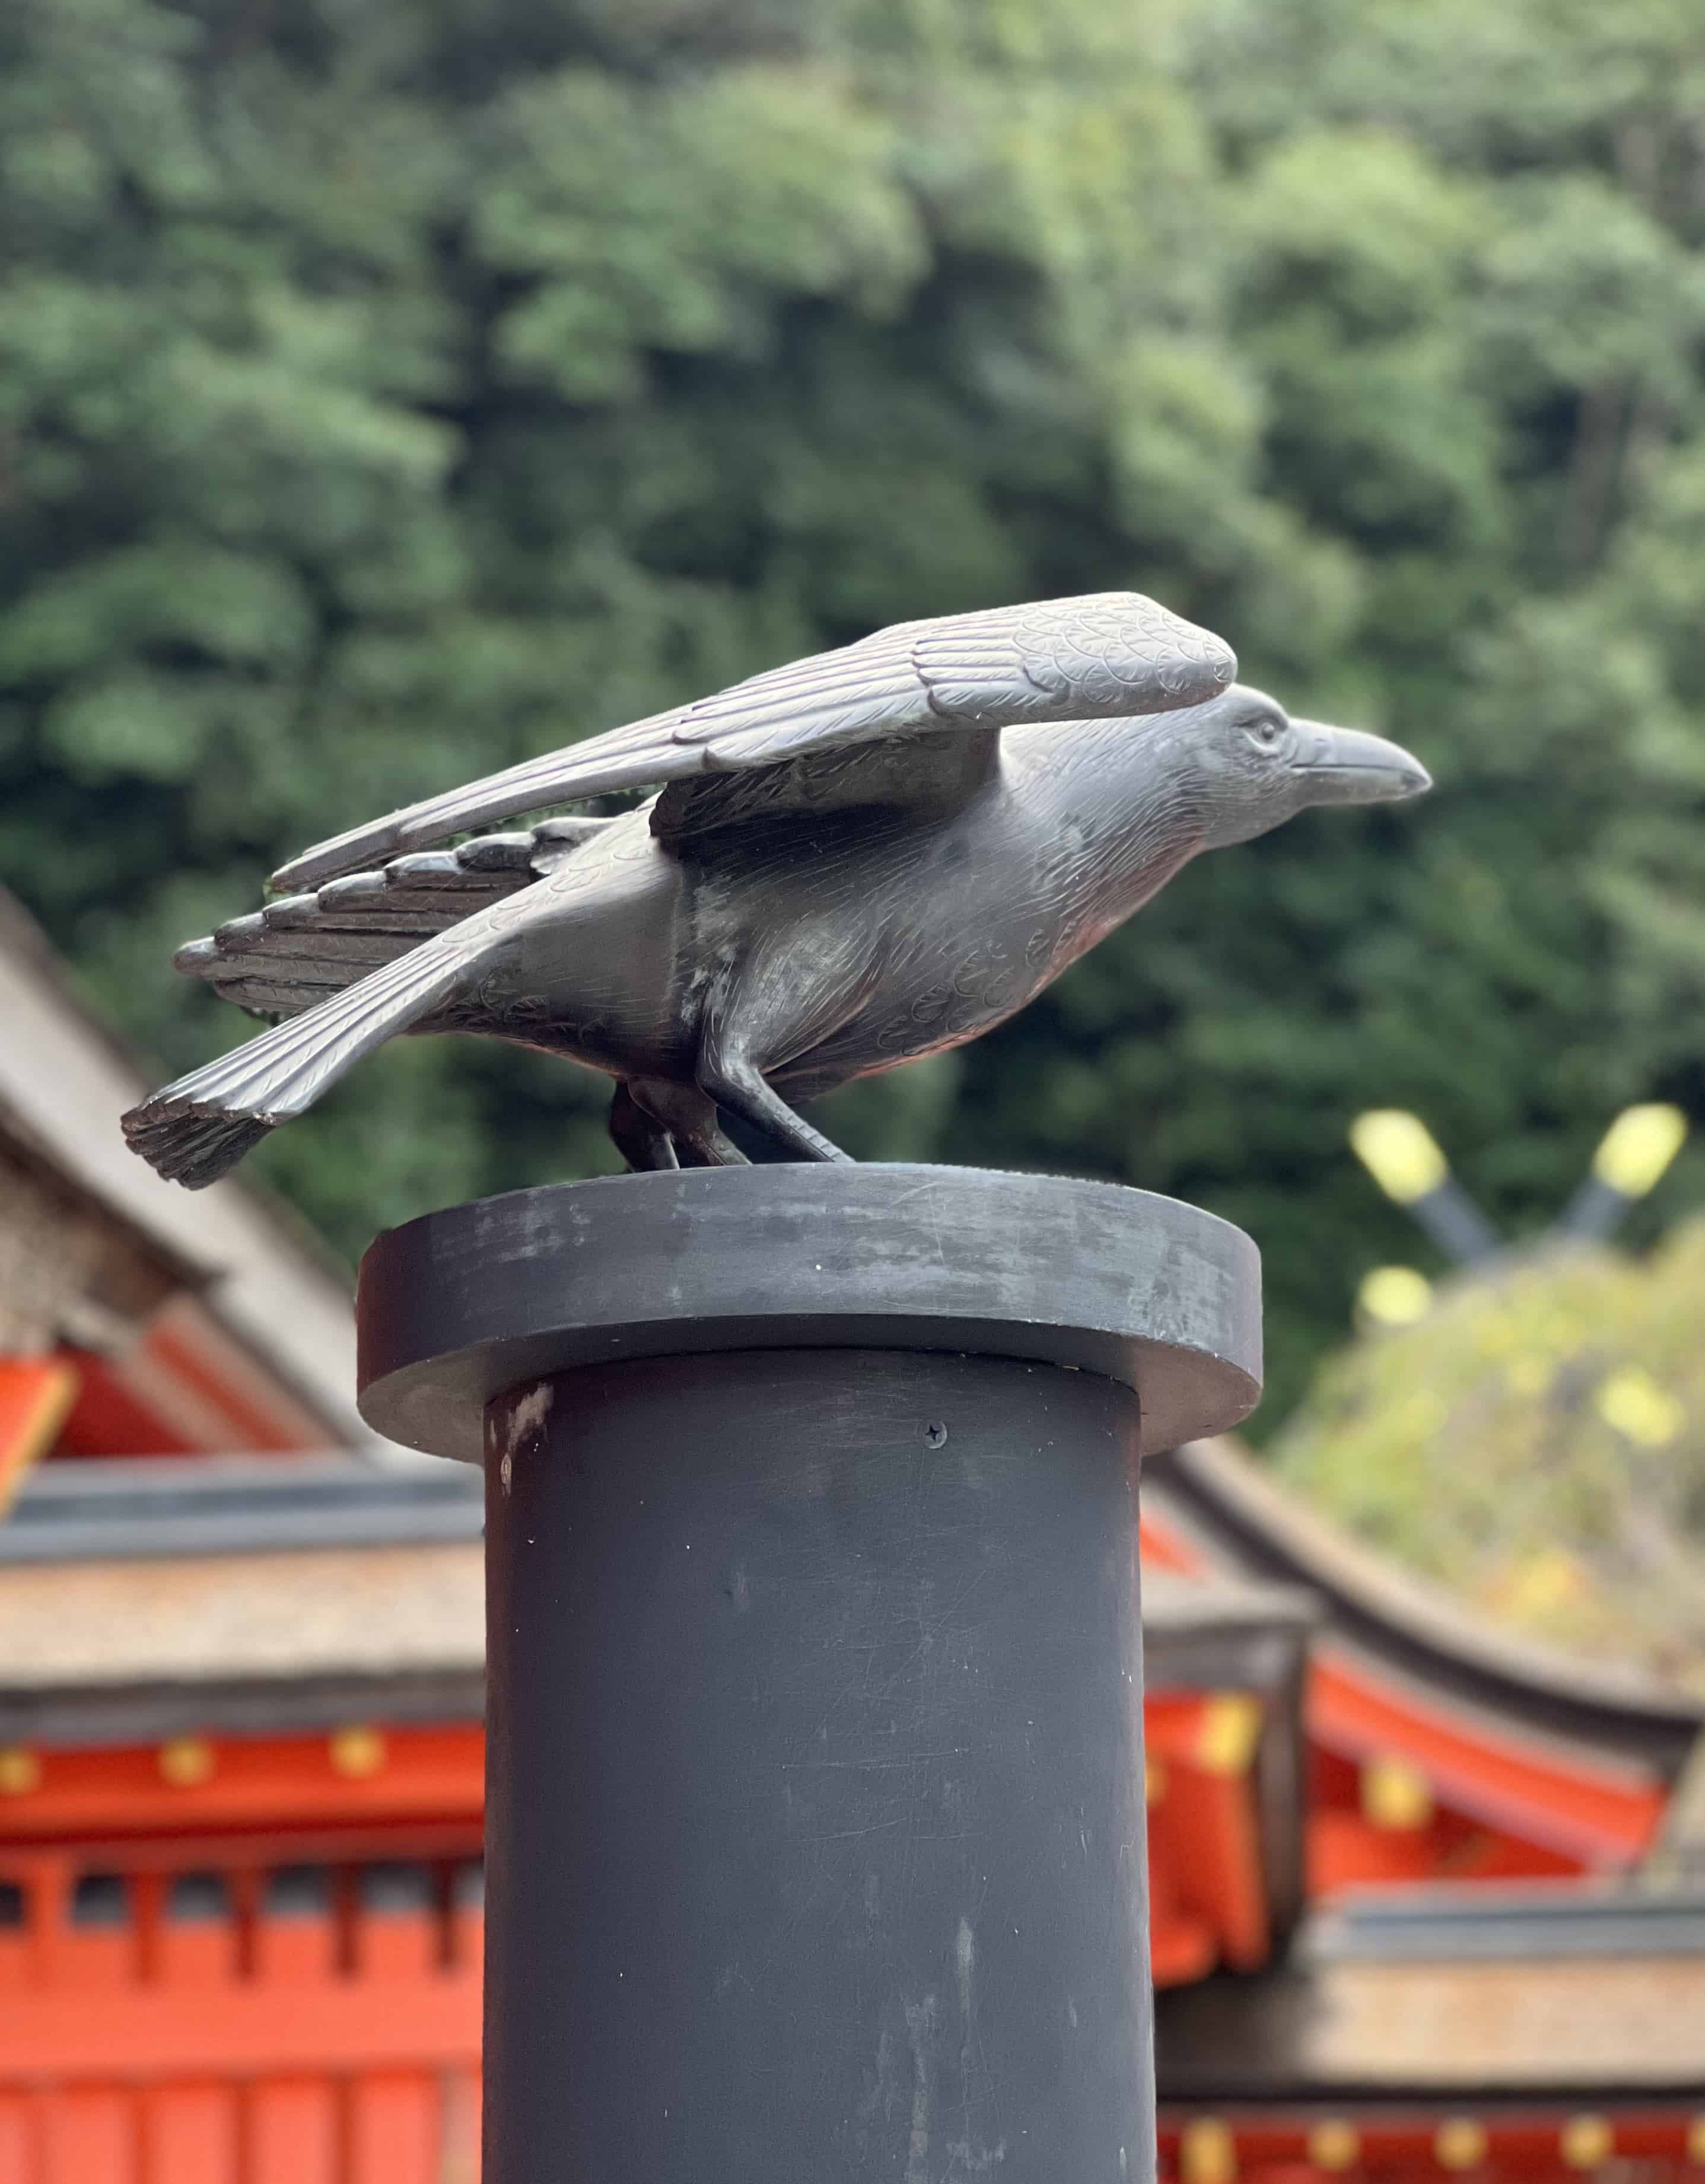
(815, 1840)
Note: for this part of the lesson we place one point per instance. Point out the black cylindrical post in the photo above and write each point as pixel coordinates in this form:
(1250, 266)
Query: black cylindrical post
(816, 1815)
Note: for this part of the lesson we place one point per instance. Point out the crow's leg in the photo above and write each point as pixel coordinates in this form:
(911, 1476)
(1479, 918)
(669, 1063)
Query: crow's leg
(735, 1081)
(690, 1117)
(639, 1138)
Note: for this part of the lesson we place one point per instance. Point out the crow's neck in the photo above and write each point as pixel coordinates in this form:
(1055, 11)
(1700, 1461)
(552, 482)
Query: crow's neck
(1122, 812)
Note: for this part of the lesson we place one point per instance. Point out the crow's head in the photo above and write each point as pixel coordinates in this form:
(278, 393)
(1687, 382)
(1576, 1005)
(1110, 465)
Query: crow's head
(1253, 767)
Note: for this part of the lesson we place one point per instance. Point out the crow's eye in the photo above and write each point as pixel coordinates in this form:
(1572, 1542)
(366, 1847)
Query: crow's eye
(1266, 732)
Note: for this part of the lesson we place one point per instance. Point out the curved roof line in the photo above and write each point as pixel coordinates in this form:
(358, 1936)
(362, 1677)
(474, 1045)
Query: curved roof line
(65, 1080)
(1417, 1627)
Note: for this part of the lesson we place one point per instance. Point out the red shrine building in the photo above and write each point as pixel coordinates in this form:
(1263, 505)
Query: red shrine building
(1426, 1899)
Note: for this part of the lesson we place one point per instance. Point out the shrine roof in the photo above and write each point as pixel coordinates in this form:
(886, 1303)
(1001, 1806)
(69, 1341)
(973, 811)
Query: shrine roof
(113, 1652)
(1227, 1514)
(1438, 1994)
(135, 1592)
(64, 1082)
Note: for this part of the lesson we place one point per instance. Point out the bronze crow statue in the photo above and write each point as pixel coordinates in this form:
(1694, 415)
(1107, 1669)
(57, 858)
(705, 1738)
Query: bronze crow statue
(854, 861)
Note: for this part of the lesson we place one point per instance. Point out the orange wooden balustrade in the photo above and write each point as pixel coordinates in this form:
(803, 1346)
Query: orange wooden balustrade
(303, 2025)
(289, 1992)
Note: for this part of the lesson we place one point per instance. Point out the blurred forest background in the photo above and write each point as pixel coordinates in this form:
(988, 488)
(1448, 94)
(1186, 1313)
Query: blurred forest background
(389, 388)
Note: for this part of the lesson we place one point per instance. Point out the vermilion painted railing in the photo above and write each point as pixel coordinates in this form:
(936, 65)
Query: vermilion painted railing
(302, 2025)
(256, 1961)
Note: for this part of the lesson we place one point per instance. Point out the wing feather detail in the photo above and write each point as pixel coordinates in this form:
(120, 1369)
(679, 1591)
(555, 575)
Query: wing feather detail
(298, 949)
(1109, 655)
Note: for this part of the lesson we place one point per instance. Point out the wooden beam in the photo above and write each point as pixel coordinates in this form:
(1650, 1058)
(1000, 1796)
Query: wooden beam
(36, 1393)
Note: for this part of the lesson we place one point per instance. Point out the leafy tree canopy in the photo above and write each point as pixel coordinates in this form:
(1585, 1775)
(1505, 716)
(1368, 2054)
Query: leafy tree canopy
(388, 390)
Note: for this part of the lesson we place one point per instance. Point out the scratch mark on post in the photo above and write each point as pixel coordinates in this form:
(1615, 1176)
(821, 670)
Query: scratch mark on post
(965, 1964)
(920, 2023)
(527, 1415)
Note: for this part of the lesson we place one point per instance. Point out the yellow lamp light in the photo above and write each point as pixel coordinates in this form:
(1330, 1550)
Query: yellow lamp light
(185, 1762)
(1638, 1146)
(1207, 2153)
(1230, 1730)
(1399, 1151)
(1394, 1296)
(1334, 2144)
(357, 1751)
(1633, 1404)
(1395, 1794)
(1460, 2142)
(20, 1771)
(1586, 2142)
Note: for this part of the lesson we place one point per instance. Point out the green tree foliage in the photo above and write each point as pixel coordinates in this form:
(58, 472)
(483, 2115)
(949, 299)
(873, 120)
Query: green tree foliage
(389, 390)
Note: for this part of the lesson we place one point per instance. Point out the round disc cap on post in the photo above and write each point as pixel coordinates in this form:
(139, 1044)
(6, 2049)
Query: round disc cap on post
(456, 1306)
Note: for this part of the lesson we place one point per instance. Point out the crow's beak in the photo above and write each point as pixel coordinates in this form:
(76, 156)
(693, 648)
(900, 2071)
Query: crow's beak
(1343, 765)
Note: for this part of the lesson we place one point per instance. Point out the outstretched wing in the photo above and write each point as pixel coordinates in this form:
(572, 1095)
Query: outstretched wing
(1061, 660)
(299, 949)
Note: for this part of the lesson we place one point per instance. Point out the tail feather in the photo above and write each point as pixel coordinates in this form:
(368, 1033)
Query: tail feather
(197, 1129)
(189, 1148)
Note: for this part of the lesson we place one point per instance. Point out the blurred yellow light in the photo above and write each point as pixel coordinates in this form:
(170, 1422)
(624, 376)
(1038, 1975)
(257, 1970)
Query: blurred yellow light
(1208, 2154)
(185, 1762)
(1398, 1151)
(1638, 1146)
(1230, 1730)
(1632, 1404)
(1395, 1297)
(1542, 1584)
(1334, 2144)
(357, 1751)
(1395, 1794)
(1585, 2142)
(20, 1772)
(1460, 2142)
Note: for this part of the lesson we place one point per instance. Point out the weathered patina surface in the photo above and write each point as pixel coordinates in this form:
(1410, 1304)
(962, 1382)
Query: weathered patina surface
(854, 861)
